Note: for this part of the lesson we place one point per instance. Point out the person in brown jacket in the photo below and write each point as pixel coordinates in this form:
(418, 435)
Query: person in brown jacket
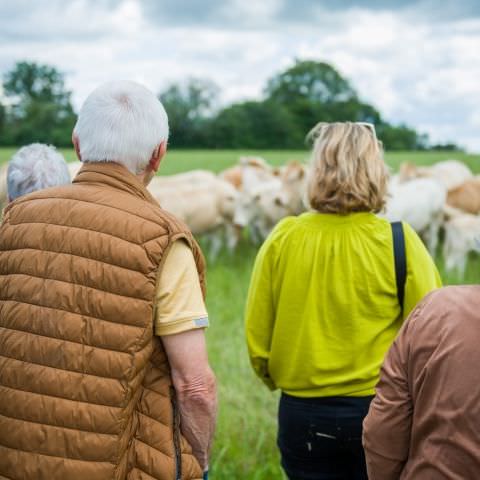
(424, 423)
(103, 366)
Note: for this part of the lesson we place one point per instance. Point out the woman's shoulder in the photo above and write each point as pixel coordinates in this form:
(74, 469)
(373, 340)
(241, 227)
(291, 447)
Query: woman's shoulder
(286, 224)
(411, 236)
(282, 229)
(312, 221)
(382, 222)
(413, 243)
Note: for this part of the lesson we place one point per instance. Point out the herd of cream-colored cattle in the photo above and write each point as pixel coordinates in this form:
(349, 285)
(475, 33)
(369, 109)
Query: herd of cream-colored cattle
(254, 195)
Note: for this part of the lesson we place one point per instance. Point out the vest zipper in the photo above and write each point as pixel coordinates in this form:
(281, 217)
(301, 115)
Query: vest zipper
(176, 435)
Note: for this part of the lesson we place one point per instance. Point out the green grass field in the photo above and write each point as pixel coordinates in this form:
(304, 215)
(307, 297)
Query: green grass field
(216, 160)
(245, 441)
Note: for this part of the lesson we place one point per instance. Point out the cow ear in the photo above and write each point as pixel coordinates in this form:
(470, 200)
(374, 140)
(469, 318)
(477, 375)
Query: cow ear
(295, 173)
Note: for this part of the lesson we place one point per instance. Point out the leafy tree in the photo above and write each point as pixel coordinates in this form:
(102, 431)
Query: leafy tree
(314, 82)
(315, 91)
(40, 108)
(189, 107)
(446, 147)
(3, 118)
(33, 82)
(37, 107)
(400, 137)
(255, 125)
(352, 110)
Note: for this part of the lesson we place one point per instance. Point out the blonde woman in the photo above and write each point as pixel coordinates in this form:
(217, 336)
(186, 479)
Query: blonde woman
(326, 301)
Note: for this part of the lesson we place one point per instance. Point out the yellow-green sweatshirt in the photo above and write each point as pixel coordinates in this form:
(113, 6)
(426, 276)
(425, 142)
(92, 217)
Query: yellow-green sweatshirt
(322, 308)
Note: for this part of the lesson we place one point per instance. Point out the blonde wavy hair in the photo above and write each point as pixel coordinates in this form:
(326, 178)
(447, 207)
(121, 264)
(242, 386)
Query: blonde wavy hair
(347, 171)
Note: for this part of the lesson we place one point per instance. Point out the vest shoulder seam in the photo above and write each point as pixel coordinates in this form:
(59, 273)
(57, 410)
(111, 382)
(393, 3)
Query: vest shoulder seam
(172, 236)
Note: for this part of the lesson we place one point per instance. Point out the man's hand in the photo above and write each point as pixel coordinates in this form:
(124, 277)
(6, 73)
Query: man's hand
(195, 386)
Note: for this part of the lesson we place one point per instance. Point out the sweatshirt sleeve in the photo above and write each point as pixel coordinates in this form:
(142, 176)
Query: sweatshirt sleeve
(260, 313)
(387, 427)
(422, 274)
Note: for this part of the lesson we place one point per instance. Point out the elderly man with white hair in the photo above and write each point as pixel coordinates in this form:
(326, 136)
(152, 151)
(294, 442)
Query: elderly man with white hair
(35, 167)
(103, 365)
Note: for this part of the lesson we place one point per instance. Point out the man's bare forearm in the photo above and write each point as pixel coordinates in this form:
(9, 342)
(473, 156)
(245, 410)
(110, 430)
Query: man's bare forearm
(197, 402)
(195, 387)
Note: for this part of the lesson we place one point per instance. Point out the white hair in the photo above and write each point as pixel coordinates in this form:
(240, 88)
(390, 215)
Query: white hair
(35, 167)
(121, 122)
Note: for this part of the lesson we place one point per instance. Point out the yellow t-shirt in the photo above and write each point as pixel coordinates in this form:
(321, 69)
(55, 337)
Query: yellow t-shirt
(322, 308)
(179, 304)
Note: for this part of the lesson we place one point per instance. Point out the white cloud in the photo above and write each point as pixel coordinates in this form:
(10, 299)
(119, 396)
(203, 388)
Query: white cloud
(420, 72)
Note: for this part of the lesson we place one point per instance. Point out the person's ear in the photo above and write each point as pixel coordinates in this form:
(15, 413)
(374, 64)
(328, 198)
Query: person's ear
(76, 145)
(157, 156)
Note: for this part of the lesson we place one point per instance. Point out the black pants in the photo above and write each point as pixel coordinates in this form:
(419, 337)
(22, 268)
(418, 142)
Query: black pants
(321, 438)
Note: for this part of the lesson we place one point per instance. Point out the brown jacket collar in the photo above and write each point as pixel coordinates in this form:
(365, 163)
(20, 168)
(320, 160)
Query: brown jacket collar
(114, 175)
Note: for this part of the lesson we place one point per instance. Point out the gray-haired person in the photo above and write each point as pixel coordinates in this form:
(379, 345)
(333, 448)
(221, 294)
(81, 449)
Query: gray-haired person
(35, 167)
(103, 355)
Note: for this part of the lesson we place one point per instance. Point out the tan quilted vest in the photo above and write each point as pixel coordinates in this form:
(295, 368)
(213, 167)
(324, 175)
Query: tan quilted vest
(85, 387)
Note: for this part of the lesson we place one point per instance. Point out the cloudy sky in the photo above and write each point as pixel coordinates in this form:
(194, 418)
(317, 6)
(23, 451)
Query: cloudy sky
(417, 61)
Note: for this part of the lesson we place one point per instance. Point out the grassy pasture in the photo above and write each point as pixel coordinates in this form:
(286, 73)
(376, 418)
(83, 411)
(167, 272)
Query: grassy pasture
(245, 442)
(216, 160)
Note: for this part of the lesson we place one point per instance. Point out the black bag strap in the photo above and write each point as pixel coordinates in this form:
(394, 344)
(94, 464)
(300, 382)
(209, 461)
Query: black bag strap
(400, 260)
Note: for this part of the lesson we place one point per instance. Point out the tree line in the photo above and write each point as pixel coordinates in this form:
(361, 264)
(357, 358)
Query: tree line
(36, 107)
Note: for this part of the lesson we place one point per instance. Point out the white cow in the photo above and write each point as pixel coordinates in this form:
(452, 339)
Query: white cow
(450, 173)
(192, 177)
(207, 208)
(264, 205)
(462, 235)
(260, 208)
(466, 196)
(254, 161)
(294, 178)
(248, 173)
(420, 203)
